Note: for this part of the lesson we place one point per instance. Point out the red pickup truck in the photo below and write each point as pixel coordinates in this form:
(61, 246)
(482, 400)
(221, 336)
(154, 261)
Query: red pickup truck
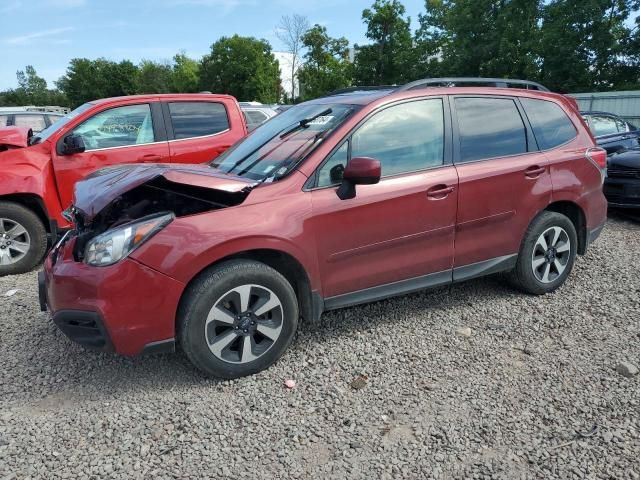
(38, 172)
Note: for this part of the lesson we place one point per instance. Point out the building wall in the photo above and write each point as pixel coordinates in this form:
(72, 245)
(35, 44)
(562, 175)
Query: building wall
(625, 104)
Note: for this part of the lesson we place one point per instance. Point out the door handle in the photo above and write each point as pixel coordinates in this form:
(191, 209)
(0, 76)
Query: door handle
(439, 192)
(150, 158)
(534, 171)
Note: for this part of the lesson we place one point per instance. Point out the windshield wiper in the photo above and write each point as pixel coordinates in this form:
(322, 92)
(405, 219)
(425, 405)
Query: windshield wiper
(304, 123)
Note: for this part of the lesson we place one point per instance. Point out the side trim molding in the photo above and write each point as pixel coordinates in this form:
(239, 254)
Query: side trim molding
(486, 267)
(380, 292)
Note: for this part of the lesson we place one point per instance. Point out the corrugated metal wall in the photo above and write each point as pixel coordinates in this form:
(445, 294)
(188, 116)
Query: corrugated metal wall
(625, 104)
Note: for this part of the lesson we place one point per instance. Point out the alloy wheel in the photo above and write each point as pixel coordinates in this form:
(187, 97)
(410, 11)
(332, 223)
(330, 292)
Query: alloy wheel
(244, 324)
(551, 254)
(14, 241)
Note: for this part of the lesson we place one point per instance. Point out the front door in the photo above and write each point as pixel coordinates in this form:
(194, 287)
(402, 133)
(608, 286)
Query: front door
(126, 134)
(401, 228)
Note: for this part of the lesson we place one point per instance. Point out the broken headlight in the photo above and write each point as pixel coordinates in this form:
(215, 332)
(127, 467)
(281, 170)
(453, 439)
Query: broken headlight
(115, 244)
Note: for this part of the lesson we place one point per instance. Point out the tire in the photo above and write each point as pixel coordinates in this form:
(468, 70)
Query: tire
(237, 318)
(23, 249)
(539, 271)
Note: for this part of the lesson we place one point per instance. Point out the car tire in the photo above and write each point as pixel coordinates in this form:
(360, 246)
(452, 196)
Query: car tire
(23, 239)
(237, 318)
(547, 254)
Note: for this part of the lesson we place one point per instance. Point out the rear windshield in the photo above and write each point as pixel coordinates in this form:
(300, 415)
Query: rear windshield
(276, 147)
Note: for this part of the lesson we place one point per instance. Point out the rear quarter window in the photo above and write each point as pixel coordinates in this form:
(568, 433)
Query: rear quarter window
(551, 126)
(197, 119)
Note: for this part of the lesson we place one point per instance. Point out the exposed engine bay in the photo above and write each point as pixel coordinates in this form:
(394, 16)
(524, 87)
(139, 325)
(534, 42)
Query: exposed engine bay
(158, 195)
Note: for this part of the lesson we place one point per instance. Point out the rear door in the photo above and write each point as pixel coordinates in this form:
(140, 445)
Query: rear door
(198, 131)
(121, 134)
(504, 181)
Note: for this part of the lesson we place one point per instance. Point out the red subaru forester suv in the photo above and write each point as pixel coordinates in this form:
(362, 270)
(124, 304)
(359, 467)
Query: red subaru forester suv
(346, 199)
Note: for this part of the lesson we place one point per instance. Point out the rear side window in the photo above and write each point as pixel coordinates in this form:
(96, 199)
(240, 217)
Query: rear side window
(550, 124)
(489, 128)
(197, 119)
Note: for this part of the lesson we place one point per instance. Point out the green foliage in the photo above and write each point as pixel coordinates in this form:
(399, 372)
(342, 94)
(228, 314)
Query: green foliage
(87, 80)
(489, 38)
(243, 67)
(154, 77)
(32, 90)
(186, 74)
(326, 67)
(390, 58)
(587, 45)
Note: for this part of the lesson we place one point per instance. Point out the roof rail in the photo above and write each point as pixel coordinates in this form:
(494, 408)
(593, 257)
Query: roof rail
(342, 91)
(457, 81)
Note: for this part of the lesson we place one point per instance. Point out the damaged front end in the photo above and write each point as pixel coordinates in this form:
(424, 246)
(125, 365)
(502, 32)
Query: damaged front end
(118, 209)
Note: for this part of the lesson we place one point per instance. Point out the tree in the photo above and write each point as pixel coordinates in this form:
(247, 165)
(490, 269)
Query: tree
(587, 45)
(290, 31)
(488, 38)
(87, 80)
(186, 74)
(32, 90)
(390, 58)
(154, 77)
(326, 67)
(243, 67)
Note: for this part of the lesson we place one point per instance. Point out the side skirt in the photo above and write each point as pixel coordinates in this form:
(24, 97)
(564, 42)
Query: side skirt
(403, 287)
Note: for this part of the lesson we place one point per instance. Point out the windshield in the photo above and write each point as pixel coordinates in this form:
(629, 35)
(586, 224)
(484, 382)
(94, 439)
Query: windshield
(61, 122)
(276, 147)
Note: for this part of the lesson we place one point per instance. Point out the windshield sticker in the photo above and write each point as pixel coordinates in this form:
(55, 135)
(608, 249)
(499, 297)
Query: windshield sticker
(323, 120)
(269, 168)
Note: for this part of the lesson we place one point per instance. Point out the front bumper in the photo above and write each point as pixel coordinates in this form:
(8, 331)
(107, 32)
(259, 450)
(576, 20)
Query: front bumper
(127, 308)
(622, 192)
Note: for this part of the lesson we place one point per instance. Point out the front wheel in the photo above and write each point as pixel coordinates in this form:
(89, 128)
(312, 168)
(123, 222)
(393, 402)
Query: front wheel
(23, 239)
(547, 254)
(237, 319)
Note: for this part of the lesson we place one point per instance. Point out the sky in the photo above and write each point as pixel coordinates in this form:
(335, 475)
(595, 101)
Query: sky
(48, 33)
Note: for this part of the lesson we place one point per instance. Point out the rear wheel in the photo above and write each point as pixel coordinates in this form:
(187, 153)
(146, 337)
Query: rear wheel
(23, 239)
(547, 254)
(237, 319)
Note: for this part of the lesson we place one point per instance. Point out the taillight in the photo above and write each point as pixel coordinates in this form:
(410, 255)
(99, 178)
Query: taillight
(598, 156)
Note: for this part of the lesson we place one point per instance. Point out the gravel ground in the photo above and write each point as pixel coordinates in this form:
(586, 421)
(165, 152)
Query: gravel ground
(531, 391)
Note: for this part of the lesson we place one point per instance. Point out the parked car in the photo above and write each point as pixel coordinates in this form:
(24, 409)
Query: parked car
(35, 118)
(256, 114)
(39, 172)
(612, 132)
(622, 185)
(339, 201)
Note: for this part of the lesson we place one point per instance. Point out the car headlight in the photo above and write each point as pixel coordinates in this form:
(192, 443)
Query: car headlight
(115, 244)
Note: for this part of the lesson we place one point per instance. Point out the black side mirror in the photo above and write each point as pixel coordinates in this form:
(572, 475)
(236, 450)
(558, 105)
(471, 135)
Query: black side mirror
(359, 171)
(72, 144)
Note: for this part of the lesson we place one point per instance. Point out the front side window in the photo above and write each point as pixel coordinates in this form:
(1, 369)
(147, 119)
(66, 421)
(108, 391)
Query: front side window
(489, 128)
(405, 138)
(603, 125)
(34, 122)
(197, 119)
(117, 127)
(550, 124)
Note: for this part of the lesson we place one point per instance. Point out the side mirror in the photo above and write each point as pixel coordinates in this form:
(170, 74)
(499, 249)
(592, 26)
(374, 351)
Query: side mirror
(72, 144)
(359, 171)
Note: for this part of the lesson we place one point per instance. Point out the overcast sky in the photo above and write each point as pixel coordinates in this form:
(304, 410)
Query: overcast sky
(48, 33)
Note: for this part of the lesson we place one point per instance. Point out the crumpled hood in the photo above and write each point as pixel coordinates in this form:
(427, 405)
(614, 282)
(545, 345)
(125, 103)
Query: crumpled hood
(99, 189)
(16, 137)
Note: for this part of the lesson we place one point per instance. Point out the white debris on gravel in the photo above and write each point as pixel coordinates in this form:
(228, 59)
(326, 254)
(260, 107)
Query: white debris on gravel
(534, 395)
